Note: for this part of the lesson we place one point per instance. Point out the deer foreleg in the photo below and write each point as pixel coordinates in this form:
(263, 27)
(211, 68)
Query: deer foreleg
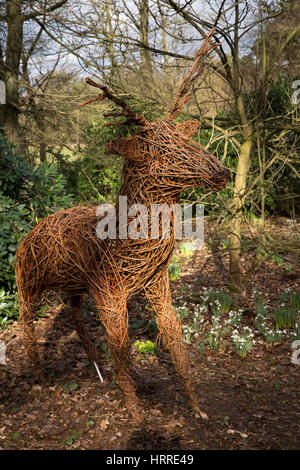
(114, 316)
(159, 296)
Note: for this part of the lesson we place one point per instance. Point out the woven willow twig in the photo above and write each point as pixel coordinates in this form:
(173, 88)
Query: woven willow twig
(64, 253)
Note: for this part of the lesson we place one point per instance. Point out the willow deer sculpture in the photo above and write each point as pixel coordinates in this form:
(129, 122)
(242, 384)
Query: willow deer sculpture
(63, 252)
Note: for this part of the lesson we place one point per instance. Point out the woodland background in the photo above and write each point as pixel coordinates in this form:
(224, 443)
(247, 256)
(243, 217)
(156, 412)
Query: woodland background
(238, 297)
(52, 150)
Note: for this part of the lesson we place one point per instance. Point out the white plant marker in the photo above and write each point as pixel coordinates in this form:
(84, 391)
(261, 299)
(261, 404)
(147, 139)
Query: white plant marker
(98, 372)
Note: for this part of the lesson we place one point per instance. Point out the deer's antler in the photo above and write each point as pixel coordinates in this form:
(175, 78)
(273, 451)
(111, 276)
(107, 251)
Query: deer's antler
(132, 117)
(184, 94)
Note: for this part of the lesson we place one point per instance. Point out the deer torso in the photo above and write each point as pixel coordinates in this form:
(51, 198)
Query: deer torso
(66, 254)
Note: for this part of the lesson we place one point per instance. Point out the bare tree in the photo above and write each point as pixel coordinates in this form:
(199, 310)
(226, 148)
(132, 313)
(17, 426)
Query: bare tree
(233, 22)
(14, 14)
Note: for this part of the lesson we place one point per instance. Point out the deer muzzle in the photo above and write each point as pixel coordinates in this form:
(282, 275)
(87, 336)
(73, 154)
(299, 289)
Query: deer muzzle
(220, 179)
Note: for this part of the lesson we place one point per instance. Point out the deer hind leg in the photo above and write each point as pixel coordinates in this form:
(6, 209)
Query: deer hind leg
(78, 321)
(159, 296)
(27, 312)
(114, 316)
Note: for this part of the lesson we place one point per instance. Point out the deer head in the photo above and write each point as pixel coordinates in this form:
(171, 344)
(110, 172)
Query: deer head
(164, 151)
(170, 157)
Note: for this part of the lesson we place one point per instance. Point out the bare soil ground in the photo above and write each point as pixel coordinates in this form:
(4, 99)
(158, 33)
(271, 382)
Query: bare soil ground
(252, 402)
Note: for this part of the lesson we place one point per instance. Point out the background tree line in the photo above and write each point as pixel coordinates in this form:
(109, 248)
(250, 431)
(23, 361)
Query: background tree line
(52, 150)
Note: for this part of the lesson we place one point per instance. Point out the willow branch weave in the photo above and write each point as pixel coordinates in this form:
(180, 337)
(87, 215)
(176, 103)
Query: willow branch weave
(64, 253)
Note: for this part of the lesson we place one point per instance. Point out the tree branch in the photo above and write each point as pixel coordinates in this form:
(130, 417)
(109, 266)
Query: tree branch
(34, 14)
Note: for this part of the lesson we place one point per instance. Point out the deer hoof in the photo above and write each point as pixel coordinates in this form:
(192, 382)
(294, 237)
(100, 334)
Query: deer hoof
(199, 413)
(137, 414)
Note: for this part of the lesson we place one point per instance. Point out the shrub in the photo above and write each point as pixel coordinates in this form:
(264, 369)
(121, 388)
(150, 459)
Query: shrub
(27, 194)
(144, 347)
(285, 317)
(14, 225)
(8, 308)
(174, 271)
(187, 248)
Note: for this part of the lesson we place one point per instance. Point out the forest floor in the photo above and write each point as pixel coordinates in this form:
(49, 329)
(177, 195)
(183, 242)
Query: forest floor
(252, 402)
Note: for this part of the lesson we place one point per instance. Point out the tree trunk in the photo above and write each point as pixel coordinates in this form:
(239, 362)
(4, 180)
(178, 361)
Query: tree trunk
(10, 72)
(144, 34)
(40, 122)
(110, 46)
(238, 202)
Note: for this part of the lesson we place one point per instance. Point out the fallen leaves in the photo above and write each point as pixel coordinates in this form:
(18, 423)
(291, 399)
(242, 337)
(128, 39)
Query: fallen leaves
(156, 412)
(104, 424)
(234, 431)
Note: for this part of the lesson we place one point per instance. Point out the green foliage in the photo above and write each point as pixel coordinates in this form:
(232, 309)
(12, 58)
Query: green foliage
(187, 248)
(242, 340)
(285, 317)
(295, 300)
(68, 388)
(174, 271)
(277, 259)
(272, 335)
(8, 308)
(98, 183)
(220, 301)
(297, 331)
(27, 194)
(225, 301)
(40, 188)
(47, 191)
(71, 438)
(260, 314)
(182, 312)
(187, 333)
(14, 171)
(216, 334)
(226, 325)
(151, 327)
(279, 102)
(281, 184)
(91, 172)
(14, 225)
(148, 324)
(144, 347)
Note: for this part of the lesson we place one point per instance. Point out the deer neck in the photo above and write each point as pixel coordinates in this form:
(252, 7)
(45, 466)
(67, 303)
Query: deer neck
(140, 188)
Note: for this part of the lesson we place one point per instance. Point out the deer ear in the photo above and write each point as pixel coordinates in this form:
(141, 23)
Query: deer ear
(128, 147)
(188, 128)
